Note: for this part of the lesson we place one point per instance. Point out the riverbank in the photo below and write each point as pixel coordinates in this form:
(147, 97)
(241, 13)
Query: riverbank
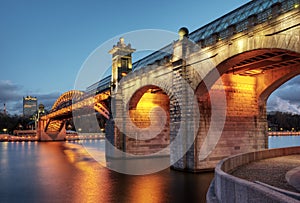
(286, 133)
(11, 138)
(33, 138)
(248, 177)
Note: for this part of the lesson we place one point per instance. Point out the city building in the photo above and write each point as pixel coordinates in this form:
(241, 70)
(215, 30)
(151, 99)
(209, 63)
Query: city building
(29, 106)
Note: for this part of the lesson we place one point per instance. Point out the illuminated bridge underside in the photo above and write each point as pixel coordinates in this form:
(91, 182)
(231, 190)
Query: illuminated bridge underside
(260, 61)
(248, 80)
(72, 103)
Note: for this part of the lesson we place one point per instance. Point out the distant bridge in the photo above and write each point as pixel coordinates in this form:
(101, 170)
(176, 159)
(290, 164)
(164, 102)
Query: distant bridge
(230, 65)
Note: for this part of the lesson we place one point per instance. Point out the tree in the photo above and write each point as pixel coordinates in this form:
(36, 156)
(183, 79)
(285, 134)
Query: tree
(12, 122)
(284, 121)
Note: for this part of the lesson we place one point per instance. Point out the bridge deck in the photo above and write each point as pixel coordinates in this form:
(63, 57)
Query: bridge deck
(236, 21)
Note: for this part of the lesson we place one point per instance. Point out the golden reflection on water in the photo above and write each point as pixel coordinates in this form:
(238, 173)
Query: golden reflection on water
(146, 189)
(69, 174)
(95, 185)
(89, 178)
(89, 190)
(70, 155)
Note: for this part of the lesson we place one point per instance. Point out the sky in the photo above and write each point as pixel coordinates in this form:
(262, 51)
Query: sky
(43, 44)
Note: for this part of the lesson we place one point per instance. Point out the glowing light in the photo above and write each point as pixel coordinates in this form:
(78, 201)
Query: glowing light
(296, 6)
(143, 108)
(253, 72)
(144, 114)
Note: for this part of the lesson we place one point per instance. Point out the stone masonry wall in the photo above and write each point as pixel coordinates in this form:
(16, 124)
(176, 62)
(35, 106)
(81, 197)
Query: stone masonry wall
(241, 131)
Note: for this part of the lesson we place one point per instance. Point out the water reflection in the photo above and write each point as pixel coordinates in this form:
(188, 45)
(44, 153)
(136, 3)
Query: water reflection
(87, 188)
(147, 190)
(164, 186)
(47, 172)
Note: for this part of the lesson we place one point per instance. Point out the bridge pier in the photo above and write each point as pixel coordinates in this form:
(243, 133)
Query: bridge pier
(156, 112)
(58, 135)
(245, 125)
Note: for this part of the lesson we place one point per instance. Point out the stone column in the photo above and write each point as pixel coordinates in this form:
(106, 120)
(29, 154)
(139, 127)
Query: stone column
(182, 125)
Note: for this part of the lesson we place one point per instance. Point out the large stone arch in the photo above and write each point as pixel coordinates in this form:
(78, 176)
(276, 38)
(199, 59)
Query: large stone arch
(246, 90)
(165, 86)
(150, 76)
(215, 57)
(180, 94)
(278, 79)
(131, 93)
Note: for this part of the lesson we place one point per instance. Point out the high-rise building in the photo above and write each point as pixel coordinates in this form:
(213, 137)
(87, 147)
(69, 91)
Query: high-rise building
(29, 106)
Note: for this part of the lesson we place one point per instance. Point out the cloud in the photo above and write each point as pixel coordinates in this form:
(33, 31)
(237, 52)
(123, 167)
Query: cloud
(47, 99)
(12, 95)
(286, 98)
(276, 103)
(9, 91)
(289, 92)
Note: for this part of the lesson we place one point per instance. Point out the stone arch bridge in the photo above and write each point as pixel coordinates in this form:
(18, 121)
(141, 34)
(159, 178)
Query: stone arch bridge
(209, 87)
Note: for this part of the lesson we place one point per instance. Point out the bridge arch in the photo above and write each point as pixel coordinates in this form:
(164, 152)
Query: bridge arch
(249, 75)
(275, 82)
(66, 98)
(143, 113)
(288, 41)
(144, 100)
(240, 48)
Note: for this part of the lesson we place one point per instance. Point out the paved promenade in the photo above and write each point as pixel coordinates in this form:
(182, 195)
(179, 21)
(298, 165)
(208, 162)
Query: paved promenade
(281, 172)
(293, 178)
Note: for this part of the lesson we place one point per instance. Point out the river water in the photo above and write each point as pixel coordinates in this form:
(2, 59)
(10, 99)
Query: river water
(283, 141)
(44, 172)
(48, 172)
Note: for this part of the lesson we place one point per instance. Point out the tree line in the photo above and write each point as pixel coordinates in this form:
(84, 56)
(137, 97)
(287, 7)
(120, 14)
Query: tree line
(283, 121)
(9, 123)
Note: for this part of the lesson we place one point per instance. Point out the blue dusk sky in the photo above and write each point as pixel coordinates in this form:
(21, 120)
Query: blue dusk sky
(43, 44)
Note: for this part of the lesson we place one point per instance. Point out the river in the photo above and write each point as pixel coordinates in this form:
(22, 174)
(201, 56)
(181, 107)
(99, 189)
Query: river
(41, 172)
(47, 172)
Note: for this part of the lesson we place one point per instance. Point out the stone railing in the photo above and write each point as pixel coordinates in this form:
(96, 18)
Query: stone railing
(227, 188)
